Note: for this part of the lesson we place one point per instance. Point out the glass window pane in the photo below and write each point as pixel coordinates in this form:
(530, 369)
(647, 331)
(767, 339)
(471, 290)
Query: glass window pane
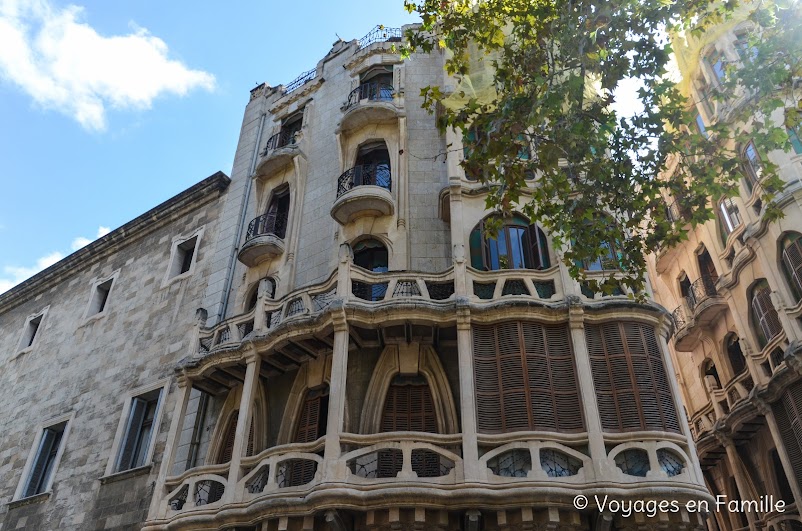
(517, 248)
(503, 258)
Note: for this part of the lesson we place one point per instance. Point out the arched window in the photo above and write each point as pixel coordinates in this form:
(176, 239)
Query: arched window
(253, 294)
(765, 320)
(707, 268)
(227, 444)
(630, 379)
(373, 165)
(274, 220)
(518, 245)
(710, 375)
(525, 378)
(314, 415)
(734, 354)
(788, 412)
(753, 166)
(409, 406)
(371, 255)
(791, 244)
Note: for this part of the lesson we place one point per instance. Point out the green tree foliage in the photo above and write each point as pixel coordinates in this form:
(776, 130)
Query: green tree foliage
(555, 67)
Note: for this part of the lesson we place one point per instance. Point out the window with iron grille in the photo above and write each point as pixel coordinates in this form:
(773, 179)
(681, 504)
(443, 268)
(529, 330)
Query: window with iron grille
(525, 378)
(517, 245)
(632, 387)
(139, 431)
(44, 461)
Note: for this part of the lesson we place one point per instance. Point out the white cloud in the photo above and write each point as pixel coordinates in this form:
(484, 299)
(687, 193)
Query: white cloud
(13, 275)
(65, 65)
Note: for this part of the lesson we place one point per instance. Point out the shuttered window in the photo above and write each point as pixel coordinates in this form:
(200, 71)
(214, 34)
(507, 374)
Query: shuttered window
(788, 412)
(44, 462)
(629, 376)
(792, 261)
(139, 431)
(314, 414)
(517, 245)
(525, 378)
(764, 314)
(409, 406)
(227, 449)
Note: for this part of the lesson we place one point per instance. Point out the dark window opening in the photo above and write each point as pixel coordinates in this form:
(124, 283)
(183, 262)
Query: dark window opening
(100, 297)
(371, 255)
(711, 372)
(138, 431)
(735, 355)
(31, 331)
(752, 165)
(517, 245)
(277, 215)
(706, 266)
(765, 320)
(185, 253)
(792, 261)
(314, 415)
(45, 459)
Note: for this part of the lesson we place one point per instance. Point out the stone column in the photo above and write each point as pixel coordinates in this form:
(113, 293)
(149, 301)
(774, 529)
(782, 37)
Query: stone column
(467, 392)
(779, 444)
(182, 399)
(244, 416)
(336, 415)
(736, 465)
(584, 375)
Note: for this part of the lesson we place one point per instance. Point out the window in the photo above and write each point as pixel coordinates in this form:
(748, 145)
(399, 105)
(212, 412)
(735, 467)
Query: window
(372, 166)
(753, 167)
(99, 301)
(716, 62)
(788, 412)
(227, 447)
(371, 255)
(700, 125)
(791, 244)
(703, 90)
(183, 256)
(517, 245)
(793, 137)
(140, 431)
(764, 316)
(314, 415)
(409, 406)
(746, 51)
(525, 378)
(609, 259)
(707, 268)
(730, 217)
(734, 353)
(44, 460)
(33, 324)
(629, 376)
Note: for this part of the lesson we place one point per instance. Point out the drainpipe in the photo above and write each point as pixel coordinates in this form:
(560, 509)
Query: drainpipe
(241, 223)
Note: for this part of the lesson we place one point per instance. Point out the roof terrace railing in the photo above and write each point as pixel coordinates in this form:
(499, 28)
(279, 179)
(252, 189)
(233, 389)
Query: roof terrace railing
(380, 34)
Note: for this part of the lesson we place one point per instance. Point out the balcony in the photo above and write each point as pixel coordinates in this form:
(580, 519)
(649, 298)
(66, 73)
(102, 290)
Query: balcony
(677, 213)
(702, 305)
(264, 239)
(363, 191)
(279, 151)
(369, 104)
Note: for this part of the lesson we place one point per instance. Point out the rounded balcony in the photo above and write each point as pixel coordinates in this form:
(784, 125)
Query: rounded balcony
(702, 306)
(264, 239)
(363, 190)
(279, 151)
(369, 103)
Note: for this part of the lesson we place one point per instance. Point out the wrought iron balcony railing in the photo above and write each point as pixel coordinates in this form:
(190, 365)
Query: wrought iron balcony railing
(380, 34)
(281, 139)
(680, 319)
(701, 289)
(364, 175)
(373, 91)
(301, 80)
(268, 223)
(677, 211)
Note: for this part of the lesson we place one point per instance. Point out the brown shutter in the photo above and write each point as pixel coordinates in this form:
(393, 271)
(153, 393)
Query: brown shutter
(228, 441)
(792, 257)
(765, 314)
(631, 384)
(525, 378)
(409, 406)
(313, 416)
(788, 412)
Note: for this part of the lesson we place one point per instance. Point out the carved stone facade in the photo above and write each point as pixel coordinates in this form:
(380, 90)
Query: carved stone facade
(339, 348)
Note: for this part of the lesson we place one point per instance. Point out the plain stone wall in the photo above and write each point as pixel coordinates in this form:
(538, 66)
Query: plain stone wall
(88, 368)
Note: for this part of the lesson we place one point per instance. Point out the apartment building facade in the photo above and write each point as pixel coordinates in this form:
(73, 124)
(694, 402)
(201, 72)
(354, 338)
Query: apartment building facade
(734, 289)
(331, 342)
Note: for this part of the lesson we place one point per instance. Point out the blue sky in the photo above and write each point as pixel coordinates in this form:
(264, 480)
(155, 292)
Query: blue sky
(109, 108)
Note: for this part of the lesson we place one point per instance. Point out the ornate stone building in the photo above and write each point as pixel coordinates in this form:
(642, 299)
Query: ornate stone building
(734, 288)
(329, 342)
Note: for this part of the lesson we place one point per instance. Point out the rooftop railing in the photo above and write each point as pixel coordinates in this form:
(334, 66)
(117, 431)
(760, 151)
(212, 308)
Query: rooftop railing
(380, 34)
(300, 80)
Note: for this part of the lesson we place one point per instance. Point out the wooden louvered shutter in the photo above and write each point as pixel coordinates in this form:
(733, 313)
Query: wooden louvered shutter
(486, 380)
(311, 424)
(788, 413)
(630, 380)
(227, 449)
(409, 406)
(135, 419)
(765, 314)
(552, 384)
(792, 258)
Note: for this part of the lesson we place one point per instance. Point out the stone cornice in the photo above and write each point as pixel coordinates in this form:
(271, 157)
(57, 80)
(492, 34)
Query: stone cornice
(190, 199)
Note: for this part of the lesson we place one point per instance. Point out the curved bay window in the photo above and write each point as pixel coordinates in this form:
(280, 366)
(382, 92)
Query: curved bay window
(517, 245)
(764, 316)
(525, 378)
(791, 245)
(753, 166)
(629, 375)
(371, 255)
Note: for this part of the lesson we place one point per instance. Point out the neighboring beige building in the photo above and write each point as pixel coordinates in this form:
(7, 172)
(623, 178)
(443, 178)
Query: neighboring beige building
(734, 288)
(330, 343)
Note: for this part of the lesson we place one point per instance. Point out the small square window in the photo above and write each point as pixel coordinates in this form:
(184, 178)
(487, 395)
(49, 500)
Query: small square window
(31, 330)
(140, 430)
(182, 256)
(44, 461)
(100, 297)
